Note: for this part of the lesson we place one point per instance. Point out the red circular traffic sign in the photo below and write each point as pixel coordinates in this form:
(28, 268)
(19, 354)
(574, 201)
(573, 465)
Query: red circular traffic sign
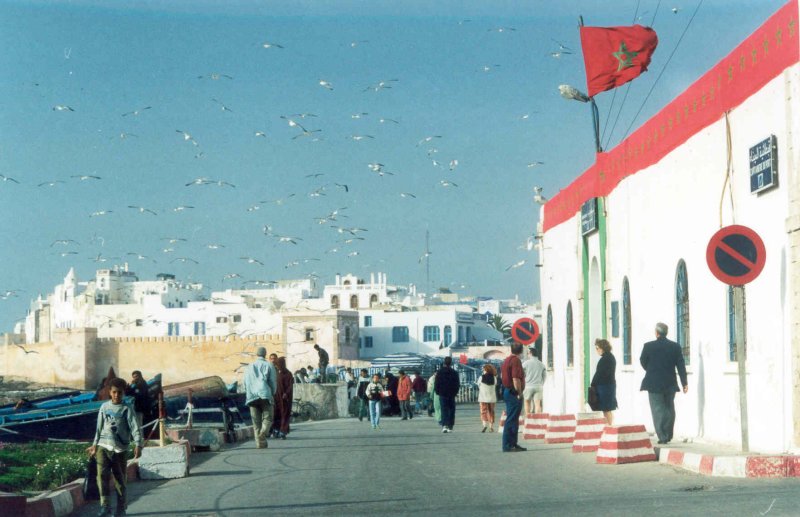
(736, 255)
(525, 331)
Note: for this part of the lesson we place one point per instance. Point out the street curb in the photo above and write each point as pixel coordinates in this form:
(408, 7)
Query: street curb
(754, 466)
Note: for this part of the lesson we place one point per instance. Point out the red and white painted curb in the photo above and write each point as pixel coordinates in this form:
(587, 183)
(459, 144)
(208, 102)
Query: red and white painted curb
(560, 429)
(535, 426)
(625, 444)
(754, 466)
(588, 430)
(503, 421)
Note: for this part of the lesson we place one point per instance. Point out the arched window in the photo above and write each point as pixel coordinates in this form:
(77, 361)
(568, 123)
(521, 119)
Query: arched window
(346, 282)
(334, 302)
(682, 309)
(373, 299)
(570, 340)
(627, 356)
(354, 301)
(549, 337)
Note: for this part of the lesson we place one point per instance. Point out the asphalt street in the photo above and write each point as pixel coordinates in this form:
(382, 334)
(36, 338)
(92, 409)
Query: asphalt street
(343, 467)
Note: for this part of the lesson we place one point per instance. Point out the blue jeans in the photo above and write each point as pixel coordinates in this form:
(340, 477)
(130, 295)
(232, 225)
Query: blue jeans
(511, 428)
(419, 399)
(375, 412)
(448, 411)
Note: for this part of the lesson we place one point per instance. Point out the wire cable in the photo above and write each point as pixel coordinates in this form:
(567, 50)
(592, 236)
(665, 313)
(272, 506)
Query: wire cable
(663, 69)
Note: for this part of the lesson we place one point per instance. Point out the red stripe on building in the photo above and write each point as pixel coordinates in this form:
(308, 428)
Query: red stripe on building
(766, 53)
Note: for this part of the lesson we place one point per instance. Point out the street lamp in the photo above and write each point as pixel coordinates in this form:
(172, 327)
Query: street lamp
(572, 93)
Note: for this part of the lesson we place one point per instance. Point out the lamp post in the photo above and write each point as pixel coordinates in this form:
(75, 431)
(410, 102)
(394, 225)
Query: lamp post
(572, 93)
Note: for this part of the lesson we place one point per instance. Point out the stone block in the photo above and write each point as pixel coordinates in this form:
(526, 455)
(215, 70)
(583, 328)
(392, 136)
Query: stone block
(168, 462)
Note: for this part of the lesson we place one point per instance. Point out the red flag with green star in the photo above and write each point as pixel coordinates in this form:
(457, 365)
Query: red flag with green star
(615, 55)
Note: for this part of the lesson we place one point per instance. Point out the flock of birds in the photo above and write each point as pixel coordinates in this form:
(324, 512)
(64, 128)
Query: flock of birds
(342, 197)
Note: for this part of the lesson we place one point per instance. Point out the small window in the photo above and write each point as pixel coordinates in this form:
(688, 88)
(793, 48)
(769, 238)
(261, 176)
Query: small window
(309, 334)
(199, 328)
(549, 337)
(430, 334)
(334, 302)
(627, 355)
(354, 301)
(367, 341)
(614, 319)
(222, 319)
(448, 335)
(173, 329)
(347, 335)
(399, 334)
(346, 282)
(139, 323)
(367, 321)
(682, 310)
(570, 338)
(237, 318)
(373, 300)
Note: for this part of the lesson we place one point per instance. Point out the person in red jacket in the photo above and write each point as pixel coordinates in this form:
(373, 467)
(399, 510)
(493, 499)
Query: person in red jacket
(420, 388)
(404, 389)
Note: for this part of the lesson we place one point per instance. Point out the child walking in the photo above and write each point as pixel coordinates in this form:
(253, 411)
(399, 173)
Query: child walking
(116, 428)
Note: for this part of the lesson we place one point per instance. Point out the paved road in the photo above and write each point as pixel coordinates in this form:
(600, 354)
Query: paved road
(343, 467)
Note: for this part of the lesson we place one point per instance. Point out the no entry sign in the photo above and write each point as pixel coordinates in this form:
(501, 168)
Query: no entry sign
(525, 331)
(736, 255)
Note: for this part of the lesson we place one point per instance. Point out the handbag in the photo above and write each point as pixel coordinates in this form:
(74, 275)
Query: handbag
(593, 399)
(90, 490)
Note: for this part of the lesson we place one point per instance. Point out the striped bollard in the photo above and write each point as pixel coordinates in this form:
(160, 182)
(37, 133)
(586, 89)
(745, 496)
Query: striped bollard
(625, 444)
(588, 430)
(560, 429)
(535, 426)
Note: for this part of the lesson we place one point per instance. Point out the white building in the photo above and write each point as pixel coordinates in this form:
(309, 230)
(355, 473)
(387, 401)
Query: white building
(351, 292)
(626, 247)
(423, 331)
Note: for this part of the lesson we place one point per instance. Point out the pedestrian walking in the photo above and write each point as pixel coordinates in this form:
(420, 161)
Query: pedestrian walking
(391, 387)
(660, 359)
(603, 381)
(323, 363)
(260, 384)
(361, 393)
(404, 389)
(487, 396)
(435, 409)
(283, 399)
(446, 386)
(420, 389)
(350, 381)
(141, 396)
(513, 387)
(375, 396)
(535, 373)
(116, 429)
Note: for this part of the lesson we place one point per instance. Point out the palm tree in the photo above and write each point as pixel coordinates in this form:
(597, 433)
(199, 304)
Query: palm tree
(498, 323)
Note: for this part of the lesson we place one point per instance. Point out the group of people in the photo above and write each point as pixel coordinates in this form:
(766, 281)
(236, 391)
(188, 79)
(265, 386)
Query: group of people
(269, 387)
(309, 374)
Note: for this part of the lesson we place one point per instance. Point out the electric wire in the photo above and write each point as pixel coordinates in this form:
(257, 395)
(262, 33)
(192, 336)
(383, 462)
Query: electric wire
(700, 3)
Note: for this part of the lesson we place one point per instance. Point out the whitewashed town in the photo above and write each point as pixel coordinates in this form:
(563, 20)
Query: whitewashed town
(601, 320)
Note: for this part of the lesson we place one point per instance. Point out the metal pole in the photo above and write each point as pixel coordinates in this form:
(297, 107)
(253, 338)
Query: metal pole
(162, 435)
(596, 126)
(738, 309)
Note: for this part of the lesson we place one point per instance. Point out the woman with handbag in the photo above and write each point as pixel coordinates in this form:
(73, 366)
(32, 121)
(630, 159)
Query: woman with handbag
(487, 396)
(604, 381)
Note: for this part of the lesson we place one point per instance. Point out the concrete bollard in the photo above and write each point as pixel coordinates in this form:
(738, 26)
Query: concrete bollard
(625, 444)
(588, 430)
(560, 429)
(168, 462)
(535, 426)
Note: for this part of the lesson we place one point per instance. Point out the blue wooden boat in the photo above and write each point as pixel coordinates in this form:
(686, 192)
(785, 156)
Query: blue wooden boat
(35, 403)
(69, 419)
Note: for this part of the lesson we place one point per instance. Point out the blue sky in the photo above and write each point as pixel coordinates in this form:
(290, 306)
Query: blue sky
(490, 95)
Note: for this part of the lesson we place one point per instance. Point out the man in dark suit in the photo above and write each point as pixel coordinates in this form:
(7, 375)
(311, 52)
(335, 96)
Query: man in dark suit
(660, 359)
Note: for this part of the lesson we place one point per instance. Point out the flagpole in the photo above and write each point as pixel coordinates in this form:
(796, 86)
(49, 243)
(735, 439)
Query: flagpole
(595, 112)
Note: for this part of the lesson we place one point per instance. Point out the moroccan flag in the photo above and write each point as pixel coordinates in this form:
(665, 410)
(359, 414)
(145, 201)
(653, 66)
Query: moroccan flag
(615, 55)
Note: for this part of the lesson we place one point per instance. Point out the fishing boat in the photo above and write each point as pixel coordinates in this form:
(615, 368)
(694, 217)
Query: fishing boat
(24, 404)
(72, 418)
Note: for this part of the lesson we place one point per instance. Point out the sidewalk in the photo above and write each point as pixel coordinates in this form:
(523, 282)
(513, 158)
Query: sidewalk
(719, 461)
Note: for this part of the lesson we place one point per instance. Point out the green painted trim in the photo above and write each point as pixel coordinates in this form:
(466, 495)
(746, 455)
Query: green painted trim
(586, 337)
